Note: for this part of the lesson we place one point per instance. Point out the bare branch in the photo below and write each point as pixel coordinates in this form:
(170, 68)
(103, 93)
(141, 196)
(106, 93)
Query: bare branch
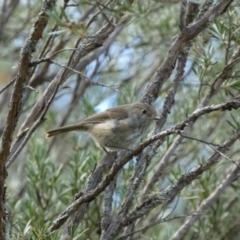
(119, 163)
(182, 23)
(230, 178)
(7, 85)
(174, 189)
(107, 209)
(162, 220)
(181, 41)
(16, 98)
(43, 103)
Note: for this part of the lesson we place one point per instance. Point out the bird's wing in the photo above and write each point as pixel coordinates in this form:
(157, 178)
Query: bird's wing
(117, 113)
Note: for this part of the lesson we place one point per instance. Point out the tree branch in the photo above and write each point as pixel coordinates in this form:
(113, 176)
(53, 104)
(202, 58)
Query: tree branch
(16, 98)
(120, 162)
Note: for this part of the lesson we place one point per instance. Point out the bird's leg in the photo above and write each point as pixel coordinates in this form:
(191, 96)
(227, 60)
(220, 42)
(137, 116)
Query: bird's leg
(105, 150)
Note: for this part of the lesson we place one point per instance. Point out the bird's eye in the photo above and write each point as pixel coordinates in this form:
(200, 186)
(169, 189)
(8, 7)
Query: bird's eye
(144, 111)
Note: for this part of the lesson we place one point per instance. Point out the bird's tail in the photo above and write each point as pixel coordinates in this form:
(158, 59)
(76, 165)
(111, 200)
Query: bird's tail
(64, 129)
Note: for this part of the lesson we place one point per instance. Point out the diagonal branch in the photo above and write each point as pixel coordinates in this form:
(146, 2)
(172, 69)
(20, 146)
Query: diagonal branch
(182, 39)
(230, 178)
(184, 180)
(120, 162)
(44, 102)
(16, 98)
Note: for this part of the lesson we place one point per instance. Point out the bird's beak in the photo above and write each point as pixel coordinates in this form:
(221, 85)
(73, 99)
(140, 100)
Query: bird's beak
(156, 119)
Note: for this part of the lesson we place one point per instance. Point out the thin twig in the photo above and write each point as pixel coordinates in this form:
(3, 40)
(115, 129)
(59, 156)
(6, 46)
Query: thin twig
(197, 139)
(8, 85)
(163, 220)
(211, 145)
(84, 76)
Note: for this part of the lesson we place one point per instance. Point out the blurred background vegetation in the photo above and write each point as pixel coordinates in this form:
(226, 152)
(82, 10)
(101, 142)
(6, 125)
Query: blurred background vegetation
(48, 173)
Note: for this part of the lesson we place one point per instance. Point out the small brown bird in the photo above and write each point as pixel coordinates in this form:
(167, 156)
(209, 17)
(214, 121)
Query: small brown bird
(116, 128)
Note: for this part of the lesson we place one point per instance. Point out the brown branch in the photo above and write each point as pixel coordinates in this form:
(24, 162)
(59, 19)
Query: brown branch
(222, 77)
(107, 209)
(143, 160)
(174, 189)
(16, 98)
(182, 39)
(39, 77)
(120, 162)
(93, 180)
(44, 102)
(103, 164)
(230, 178)
(182, 22)
(159, 169)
